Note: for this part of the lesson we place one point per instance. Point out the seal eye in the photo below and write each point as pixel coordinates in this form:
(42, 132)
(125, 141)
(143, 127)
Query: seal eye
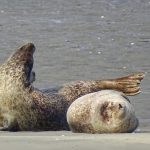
(28, 69)
(120, 106)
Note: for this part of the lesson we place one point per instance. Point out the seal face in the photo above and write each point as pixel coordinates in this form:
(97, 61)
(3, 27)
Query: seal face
(106, 111)
(23, 107)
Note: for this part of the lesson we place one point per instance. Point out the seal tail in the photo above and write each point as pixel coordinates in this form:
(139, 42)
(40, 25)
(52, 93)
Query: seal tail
(129, 85)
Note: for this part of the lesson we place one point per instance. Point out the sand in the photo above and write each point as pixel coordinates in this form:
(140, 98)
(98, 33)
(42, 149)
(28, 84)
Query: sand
(73, 141)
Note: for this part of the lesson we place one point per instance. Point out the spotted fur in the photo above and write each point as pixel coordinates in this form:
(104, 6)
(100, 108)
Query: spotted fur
(23, 107)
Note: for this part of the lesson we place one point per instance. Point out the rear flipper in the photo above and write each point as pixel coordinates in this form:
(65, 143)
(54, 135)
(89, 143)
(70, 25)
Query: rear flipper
(129, 84)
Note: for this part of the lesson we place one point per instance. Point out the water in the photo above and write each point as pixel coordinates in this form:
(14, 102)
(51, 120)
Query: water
(88, 39)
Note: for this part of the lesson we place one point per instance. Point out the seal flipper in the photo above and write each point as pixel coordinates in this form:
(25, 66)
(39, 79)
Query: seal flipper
(9, 123)
(129, 85)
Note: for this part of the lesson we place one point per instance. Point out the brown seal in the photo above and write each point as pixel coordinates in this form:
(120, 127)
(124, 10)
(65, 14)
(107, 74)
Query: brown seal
(106, 111)
(23, 107)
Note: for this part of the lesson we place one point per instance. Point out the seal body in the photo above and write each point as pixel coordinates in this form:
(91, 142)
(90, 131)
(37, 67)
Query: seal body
(106, 111)
(23, 107)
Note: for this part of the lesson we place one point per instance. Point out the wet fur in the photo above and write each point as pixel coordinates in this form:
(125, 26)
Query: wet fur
(23, 107)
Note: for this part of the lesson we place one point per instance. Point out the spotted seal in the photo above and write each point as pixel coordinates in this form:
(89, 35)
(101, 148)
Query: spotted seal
(26, 108)
(106, 111)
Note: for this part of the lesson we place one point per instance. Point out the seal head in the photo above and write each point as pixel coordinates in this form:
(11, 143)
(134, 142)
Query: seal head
(106, 111)
(19, 66)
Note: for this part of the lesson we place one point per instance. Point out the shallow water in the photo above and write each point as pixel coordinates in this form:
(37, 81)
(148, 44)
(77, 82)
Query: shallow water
(88, 39)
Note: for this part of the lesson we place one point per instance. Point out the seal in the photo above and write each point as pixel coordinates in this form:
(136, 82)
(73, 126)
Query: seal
(26, 108)
(106, 111)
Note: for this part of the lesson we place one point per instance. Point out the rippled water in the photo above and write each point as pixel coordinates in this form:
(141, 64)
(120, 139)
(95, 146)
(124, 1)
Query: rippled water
(88, 39)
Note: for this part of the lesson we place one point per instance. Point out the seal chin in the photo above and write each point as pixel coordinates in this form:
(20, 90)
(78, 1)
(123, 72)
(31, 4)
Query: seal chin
(102, 112)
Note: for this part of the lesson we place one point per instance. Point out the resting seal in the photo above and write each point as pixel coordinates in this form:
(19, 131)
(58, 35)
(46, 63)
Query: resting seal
(106, 111)
(23, 107)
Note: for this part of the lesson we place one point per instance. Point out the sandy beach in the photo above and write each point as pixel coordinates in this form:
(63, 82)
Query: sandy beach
(67, 140)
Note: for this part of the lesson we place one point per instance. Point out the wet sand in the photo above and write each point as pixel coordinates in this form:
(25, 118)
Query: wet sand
(67, 140)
